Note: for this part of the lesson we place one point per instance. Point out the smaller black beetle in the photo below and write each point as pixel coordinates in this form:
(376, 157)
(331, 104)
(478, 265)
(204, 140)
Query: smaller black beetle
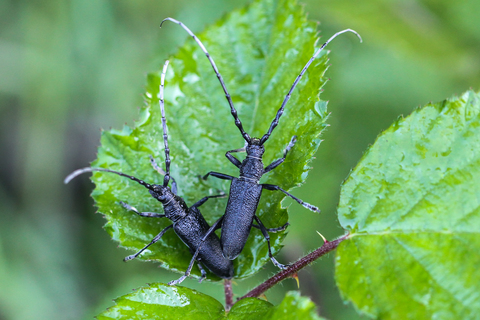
(188, 223)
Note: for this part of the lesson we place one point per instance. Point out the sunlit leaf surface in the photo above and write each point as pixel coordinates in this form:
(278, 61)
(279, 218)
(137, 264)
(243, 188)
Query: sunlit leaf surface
(259, 50)
(159, 301)
(412, 207)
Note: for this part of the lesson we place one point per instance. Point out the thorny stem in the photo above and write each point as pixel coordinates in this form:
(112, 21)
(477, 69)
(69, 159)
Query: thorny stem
(228, 294)
(294, 268)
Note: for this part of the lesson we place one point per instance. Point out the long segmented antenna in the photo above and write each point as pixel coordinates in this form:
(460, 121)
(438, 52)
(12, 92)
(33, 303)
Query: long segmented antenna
(287, 97)
(88, 169)
(238, 123)
(166, 178)
(162, 172)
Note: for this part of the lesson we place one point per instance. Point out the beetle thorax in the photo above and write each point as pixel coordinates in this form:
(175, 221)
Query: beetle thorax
(252, 167)
(173, 206)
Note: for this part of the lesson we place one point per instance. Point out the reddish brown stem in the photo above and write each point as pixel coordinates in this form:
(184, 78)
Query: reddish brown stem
(294, 268)
(228, 294)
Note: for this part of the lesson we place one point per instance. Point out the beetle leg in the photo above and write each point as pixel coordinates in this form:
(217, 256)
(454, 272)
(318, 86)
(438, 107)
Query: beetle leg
(142, 214)
(303, 203)
(214, 227)
(267, 237)
(203, 200)
(277, 162)
(202, 270)
(133, 256)
(282, 228)
(217, 175)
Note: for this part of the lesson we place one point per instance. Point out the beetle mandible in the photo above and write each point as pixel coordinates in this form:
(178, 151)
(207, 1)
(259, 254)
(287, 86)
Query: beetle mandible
(245, 191)
(188, 223)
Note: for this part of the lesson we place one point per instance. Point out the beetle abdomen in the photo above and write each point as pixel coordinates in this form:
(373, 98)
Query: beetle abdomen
(241, 207)
(191, 230)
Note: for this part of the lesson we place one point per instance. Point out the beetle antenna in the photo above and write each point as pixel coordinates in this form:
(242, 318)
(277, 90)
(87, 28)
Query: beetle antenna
(238, 123)
(166, 178)
(78, 172)
(287, 97)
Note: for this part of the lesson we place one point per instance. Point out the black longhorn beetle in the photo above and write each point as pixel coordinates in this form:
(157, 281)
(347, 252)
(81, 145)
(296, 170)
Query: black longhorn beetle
(245, 191)
(188, 223)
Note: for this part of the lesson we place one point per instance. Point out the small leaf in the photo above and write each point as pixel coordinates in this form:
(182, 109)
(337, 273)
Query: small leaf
(412, 207)
(259, 50)
(293, 306)
(159, 301)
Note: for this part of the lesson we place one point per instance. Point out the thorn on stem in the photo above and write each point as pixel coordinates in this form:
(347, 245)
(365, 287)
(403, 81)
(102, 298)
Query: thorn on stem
(295, 276)
(324, 240)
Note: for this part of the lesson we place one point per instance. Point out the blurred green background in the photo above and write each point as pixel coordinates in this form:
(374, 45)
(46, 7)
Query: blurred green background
(69, 68)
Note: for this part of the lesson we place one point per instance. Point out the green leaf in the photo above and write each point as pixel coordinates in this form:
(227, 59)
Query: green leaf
(259, 50)
(412, 207)
(293, 306)
(159, 301)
